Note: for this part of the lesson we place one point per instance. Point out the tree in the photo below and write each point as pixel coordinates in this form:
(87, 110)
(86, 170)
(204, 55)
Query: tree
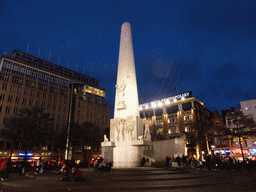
(85, 134)
(29, 126)
(205, 133)
(241, 123)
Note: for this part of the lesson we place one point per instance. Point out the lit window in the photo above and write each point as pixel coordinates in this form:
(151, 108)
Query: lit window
(177, 130)
(247, 108)
(12, 88)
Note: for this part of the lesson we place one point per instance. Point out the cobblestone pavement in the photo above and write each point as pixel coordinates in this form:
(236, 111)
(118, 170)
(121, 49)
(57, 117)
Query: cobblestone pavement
(139, 179)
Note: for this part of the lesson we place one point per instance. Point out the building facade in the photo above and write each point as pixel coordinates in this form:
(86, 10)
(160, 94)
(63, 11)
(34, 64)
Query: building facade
(220, 143)
(227, 146)
(27, 81)
(178, 116)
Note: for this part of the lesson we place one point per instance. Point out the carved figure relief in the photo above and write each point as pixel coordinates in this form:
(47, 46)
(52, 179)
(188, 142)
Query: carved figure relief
(147, 135)
(120, 92)
(131, 128)
(105, 138)
(123, 129)
(117, 130)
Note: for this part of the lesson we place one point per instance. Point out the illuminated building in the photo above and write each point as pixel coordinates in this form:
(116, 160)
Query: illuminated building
(177, 116)
(27, 81)
(248, 141)
(220, 143)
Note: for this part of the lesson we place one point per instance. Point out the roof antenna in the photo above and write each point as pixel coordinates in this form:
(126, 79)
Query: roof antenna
(27, 47)
(39, 53)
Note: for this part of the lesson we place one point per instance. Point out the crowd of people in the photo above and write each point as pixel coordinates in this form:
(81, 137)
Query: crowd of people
(212, 162)
(74, 175)
(100, 165)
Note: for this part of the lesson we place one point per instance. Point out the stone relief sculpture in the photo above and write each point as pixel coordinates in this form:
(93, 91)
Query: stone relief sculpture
(123, 128)
(117, 130)
(105, 138)
(147, 135)
(131, 128)
(120, 91)
(120, 95)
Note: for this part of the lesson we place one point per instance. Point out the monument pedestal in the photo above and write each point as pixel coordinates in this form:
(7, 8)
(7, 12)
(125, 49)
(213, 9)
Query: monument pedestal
(124, 154)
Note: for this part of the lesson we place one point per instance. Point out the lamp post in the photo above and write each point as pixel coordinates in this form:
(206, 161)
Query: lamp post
(69, 122)
(212, 147)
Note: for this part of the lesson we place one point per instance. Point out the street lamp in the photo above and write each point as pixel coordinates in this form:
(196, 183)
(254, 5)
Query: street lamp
(69, 122)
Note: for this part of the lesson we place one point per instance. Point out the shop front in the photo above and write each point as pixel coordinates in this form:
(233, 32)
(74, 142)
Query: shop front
(222, 152)
(253, 153)
(237, 153)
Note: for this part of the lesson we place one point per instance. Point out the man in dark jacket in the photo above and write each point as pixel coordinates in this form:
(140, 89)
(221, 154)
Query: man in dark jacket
(209, 162)
(178, 160)
(167, 161)
(184, 161)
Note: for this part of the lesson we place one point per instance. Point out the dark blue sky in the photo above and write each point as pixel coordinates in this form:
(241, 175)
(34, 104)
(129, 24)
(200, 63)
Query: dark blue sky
(204, 46)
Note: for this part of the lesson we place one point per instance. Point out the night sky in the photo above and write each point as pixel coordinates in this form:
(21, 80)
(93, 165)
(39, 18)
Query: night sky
(204, 46)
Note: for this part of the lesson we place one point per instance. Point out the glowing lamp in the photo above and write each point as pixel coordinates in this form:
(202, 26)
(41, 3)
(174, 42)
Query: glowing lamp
(174, 100)
(153, 105)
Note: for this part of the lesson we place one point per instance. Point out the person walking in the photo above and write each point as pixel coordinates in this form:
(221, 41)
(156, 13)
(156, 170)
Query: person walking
(184, 161)
(8, 168)
(143, 160)
(178, 160)
(96, 164)
(167, 159)
(209, 162)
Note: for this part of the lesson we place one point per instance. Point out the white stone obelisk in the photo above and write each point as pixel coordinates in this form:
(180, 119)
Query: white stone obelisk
(126, 129)
(126, 102)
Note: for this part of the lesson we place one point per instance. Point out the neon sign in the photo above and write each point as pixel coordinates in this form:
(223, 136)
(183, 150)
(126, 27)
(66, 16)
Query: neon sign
(179, 96)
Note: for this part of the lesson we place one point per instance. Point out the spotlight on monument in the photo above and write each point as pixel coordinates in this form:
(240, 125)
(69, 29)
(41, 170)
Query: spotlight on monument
(174, 100)
(140, 108)
(153, 105)
(167, 102)
(146, 107)
(160, 104)
(182, 98)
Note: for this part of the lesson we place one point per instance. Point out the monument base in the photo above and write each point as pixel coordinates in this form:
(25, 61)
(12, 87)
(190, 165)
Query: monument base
(127, 156)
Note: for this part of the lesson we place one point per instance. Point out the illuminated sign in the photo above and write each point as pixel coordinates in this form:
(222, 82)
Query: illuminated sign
(167, 99)
(253, 151)
(217, 151)
(23, 154)
(238, 151)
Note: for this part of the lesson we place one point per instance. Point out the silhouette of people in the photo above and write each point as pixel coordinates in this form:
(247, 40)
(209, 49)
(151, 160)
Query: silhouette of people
(178, 160)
